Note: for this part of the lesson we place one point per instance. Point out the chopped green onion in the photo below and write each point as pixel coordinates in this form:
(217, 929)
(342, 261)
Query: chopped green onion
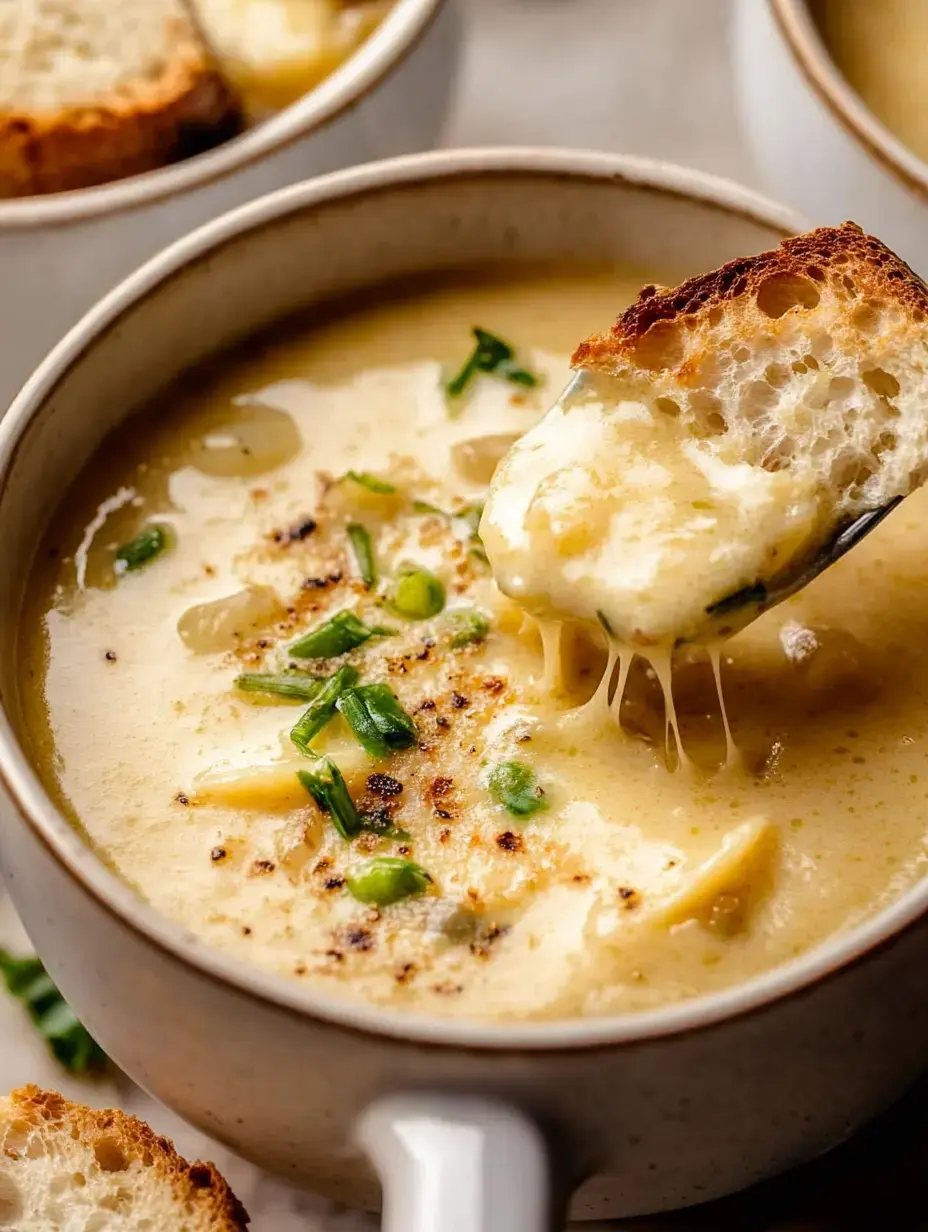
(69, 1041)
(336, 637)
(478, 551)
(322, 708)
(371, 482)
(377, 719)
(363, 548)
(472, 628)
(388, 879)
(327, 787)
(417, 593)
(493, 356)
(143, 549)
(426, 507)
(471, 514)
(514, 786)
(293, 686)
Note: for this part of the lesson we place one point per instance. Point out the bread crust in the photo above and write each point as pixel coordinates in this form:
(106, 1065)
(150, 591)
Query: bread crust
(198, 1184)
(186, 109)
(828, 254)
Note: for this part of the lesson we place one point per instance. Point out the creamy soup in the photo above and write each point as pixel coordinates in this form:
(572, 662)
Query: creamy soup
(878, 45)
(266, 670)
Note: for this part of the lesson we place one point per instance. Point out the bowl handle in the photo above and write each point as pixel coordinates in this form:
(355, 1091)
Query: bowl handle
(452, 1163)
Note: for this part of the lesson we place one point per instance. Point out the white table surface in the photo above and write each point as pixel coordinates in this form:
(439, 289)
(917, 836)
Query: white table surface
(646, 77)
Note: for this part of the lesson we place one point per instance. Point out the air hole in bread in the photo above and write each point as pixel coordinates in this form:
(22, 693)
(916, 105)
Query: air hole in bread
(706, 412)
(779, 293)
(661, 347)
(777, 375)
(11, 1202)
(109, 1155)
(741, 355)
(98, 1222)
(881, 382)
(866, 318)
(755, 399)
(816, 272)
(810, 361)
(716, 315)
(849, 284)
(668, 407)
(884, 442)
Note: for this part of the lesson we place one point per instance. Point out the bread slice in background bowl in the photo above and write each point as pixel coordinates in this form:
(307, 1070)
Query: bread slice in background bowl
(97, 90)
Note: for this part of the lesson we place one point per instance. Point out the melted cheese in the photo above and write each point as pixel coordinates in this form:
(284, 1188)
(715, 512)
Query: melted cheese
(607, 511)
(633, 887)
(273, 51)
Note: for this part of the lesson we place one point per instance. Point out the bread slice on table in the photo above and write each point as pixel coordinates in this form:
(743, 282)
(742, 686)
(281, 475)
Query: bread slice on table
(811, 357)
(68, 1168)
(96, 90)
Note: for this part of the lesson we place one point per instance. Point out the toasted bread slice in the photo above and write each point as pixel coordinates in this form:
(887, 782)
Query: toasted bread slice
(814, 354)
(68, 1168)
(95, 90)
(273, 51)
(723, 434)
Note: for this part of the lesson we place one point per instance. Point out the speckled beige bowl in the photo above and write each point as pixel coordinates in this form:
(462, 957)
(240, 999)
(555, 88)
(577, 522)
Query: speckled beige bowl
(473, 1128)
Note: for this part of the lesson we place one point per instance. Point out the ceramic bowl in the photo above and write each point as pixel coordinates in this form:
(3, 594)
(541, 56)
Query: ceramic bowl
(816, 144)
(472, 1127)
(59, 253)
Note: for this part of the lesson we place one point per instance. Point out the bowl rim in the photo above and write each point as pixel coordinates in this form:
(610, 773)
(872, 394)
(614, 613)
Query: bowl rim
(385, 50)
(37, 810)
(810, 52)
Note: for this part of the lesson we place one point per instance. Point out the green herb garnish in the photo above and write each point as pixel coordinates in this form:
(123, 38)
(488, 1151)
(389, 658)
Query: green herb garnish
(377, 719)
(371, 482)
(493, 356)
(143, 549)
(363, 548)
(388, 879)
(426, 507)
(417, 594)
(322, 708)
(292, 686)
(327, 787)
(68, 1039)
(471, 627)
(513, 785)
(336, 637)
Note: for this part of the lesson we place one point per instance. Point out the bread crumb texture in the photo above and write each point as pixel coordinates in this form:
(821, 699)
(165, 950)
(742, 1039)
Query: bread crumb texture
(96, 90)
(810, 358)
(68, 1168)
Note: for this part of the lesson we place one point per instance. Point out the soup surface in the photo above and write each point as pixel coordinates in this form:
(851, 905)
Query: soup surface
(872, 42)
(490, 844)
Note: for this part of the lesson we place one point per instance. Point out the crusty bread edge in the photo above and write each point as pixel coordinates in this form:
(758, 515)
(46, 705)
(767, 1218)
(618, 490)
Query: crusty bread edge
(199, 1183)
(877, 271)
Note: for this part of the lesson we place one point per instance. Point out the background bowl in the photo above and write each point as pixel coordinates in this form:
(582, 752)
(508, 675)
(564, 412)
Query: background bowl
(816, 144)
(636, 1113)
(59, 253)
